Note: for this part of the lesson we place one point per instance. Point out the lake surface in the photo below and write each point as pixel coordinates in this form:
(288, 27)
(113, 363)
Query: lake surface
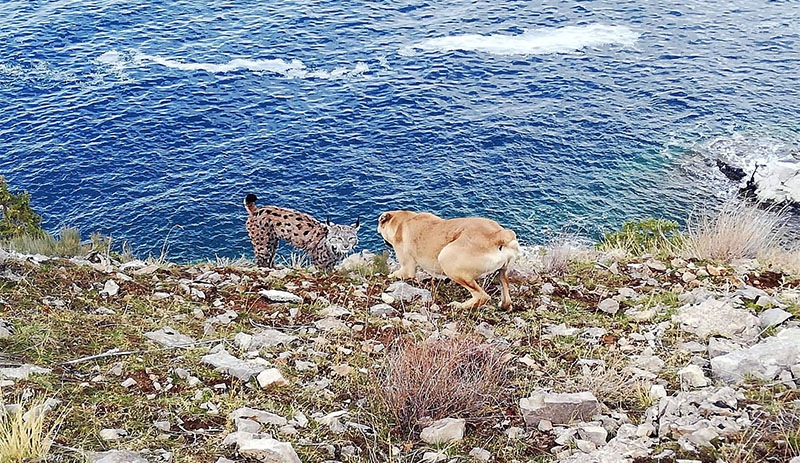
(150, 121)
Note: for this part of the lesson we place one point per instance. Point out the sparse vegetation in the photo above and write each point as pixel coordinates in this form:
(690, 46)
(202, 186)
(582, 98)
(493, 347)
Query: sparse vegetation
(18, 219)
(67, 244)
(23, 434)
(649, 236)
(738, 230)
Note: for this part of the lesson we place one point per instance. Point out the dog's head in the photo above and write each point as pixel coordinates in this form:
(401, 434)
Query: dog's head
(390, 223)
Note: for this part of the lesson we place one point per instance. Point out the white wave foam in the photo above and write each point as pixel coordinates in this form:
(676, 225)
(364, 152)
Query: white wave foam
(40, 73)
(290, 69)
(536, 42)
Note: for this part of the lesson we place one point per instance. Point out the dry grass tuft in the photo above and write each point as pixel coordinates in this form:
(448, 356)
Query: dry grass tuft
(459, 377)
(559, 254)
(739, 230)
(22, 435)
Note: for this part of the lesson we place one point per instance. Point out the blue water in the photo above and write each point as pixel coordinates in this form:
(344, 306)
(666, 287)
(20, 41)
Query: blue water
(150, 121)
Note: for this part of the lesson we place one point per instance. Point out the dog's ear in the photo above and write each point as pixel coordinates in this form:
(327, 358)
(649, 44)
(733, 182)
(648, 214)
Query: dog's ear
(384, 218)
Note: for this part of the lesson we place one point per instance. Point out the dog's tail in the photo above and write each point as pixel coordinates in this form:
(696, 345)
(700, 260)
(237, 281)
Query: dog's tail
(250, 204)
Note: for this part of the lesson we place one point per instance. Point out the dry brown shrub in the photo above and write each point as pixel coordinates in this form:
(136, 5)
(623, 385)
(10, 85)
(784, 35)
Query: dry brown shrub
(459, 377)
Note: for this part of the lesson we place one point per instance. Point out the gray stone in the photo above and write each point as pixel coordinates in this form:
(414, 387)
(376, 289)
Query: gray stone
(434, 457)
(263, 339)
(271, 377)
(692, 376)
(22, 371)
(717, 317)
(258, 415)
(331, 324)
(651, 363)
(561, 330)
(334, 311)
(701, 438)
(773, 317)
(480, 454)
(224, 318)
(110, 289)
(169, 337)
(751, 293)
(268, 450)
(609, 306)
(656, 265)
(444, 431)
(594, 434)
(227, 363)
(275, 295)
(382, 310)
(247, 425)
(558, 408)
(764, 360)
(112, 434)
(721, 346)
(585, 446)
(116, 456)
(401, 290)
(687, 412)
(6, 329)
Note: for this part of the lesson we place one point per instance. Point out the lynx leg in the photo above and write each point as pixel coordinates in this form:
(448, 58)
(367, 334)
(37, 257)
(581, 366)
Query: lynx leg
(265, 252)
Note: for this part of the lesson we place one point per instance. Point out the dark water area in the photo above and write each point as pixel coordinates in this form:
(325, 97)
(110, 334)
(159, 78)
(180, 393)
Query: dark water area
(150, 121)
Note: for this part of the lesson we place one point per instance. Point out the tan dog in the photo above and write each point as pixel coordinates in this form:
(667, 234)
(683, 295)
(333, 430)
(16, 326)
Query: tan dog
(463, 249)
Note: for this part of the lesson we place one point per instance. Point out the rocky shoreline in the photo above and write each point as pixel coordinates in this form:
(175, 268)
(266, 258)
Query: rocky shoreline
(618, 360)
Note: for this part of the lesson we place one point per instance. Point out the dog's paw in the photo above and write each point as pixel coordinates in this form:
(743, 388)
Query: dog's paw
(400, 274)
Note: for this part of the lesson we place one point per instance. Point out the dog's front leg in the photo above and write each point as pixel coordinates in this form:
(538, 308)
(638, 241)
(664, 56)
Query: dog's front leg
(408, 267)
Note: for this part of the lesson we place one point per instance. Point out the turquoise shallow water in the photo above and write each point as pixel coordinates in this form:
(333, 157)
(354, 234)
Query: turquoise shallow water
(150, 121)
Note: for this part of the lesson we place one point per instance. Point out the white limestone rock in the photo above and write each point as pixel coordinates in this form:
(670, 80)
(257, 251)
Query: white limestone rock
(692, 376)
(268, 450)
(274, 295)
(116, 456)
(169, 337)
(110, 289)
(267, 338)
(6, 329)
(382, 310)
(764, 360)
(609, 306)
(714, 317)
(444, 431)
(558, 408)
(271, 377)
(22, 371)
(261, 416)
(112, 434)
(773, 317)
(227, 363)
(400, 290)
(479, 454)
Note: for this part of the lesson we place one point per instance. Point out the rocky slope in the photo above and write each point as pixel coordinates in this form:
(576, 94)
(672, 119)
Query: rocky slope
(613, 360)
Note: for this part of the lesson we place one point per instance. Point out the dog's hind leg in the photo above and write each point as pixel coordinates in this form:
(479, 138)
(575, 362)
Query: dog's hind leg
(479, 296)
